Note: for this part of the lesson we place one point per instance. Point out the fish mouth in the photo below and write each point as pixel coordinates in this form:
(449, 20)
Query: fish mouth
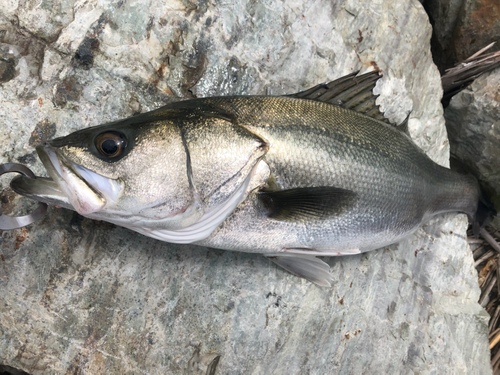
(70, 185)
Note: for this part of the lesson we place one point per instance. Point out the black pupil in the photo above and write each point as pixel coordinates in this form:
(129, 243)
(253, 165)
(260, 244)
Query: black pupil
(109, 146)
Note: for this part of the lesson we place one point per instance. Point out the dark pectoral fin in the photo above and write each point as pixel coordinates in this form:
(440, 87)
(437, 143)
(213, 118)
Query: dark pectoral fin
(351, 91)
(314, 203)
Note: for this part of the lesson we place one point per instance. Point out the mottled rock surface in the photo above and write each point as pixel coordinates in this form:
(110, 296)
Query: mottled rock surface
(473, 122)
(80, 296)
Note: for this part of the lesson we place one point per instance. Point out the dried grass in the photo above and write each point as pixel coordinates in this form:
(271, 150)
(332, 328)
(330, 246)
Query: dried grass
(486, 254)
(460, 76)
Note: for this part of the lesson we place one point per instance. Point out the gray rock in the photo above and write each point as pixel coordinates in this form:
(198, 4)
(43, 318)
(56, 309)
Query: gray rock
(88, 297)
(472, 119)
(461, 28)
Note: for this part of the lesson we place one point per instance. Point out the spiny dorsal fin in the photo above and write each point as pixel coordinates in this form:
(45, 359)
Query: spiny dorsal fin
(305, 204)
(351, 92)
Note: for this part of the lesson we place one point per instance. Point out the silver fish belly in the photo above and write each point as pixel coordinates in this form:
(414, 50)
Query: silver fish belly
(291, 177)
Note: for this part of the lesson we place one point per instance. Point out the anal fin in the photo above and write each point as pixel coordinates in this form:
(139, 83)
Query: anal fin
(307, 266)
(321, 253)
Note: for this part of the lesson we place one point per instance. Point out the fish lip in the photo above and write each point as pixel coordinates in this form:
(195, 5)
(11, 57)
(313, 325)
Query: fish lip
(42, 189)
(53, 161)
(83, 195)
(47, 163)
(61, 171)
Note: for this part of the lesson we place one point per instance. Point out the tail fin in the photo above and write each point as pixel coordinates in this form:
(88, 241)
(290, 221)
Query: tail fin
(485, 210)
(484, 213)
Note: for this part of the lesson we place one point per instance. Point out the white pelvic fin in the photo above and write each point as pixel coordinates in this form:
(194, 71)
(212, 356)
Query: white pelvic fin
(306, 266)
(321, 253)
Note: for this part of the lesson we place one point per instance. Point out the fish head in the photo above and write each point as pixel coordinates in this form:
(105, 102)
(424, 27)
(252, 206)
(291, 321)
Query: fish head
(118, 172)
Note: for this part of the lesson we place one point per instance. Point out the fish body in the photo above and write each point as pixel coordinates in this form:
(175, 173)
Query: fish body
(291, 177)
(396, 187)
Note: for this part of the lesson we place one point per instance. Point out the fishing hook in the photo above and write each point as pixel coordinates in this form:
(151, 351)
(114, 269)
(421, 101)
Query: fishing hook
(14, 222)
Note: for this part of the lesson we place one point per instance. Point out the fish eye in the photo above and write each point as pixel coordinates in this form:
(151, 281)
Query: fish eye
(110, 144)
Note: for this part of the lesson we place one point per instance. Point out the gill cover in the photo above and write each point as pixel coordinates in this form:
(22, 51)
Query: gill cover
(222, 158)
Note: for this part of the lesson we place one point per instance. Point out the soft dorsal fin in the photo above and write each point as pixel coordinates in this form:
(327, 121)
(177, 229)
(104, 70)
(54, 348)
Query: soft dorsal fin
(404, 125)
(351, 92)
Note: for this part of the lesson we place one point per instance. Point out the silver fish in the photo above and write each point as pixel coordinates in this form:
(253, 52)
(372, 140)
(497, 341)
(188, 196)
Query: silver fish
(318, 173)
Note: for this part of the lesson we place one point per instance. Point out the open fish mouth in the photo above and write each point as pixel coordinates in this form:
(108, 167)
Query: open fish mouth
(70, 185)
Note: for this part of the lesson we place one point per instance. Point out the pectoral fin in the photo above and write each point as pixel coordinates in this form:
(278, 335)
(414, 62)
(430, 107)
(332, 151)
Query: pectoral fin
(306, 266)
(315, 203)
